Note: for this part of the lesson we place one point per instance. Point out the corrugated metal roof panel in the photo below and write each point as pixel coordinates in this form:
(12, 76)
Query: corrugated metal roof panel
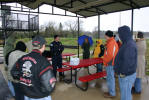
(89, 8)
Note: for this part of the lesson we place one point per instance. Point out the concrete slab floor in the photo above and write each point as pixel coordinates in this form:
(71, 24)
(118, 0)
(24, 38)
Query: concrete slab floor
(64, 91)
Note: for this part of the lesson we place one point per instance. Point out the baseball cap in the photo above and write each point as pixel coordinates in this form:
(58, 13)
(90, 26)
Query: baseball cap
(38, 42)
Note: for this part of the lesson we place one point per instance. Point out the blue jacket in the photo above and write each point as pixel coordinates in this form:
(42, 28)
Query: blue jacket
(126, 59)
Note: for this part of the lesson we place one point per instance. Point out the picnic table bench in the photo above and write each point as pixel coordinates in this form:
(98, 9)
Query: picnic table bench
(84, 63)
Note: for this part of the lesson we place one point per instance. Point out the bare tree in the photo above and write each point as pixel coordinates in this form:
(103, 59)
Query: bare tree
(73, 27)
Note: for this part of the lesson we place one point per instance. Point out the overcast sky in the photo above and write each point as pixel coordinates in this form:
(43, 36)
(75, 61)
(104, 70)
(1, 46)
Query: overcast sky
(108, 21)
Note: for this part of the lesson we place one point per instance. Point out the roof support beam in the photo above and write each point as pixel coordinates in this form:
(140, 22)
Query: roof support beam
(88, 5)
(132, 20)
(54, 2)
(133, 4)
(82, 1)
(98, 10)
(70, 2)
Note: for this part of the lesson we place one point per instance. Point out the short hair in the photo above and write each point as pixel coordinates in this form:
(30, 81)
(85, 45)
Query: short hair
(140, 35)
(55, 36)
(109, 33)
(33, 36)
(20, 46)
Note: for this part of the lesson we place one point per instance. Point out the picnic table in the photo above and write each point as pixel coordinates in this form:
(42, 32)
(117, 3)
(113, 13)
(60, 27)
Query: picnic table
(64, 55)
(67, 55)
(84, 63)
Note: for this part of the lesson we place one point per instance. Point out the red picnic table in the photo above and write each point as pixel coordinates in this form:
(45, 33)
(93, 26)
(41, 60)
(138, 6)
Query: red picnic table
(83, 63)
(67, 55)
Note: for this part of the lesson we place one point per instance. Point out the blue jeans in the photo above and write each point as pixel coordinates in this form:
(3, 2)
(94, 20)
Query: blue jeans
(11, 88)
(111, 80)
(126, 86)
(99, 67)
(137, 85)
(45, 98)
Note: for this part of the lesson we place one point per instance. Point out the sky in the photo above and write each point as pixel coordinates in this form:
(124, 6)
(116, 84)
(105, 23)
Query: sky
(107, 22)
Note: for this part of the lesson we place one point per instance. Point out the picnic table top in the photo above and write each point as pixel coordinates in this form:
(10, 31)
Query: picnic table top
(68, 54)
(85, 63)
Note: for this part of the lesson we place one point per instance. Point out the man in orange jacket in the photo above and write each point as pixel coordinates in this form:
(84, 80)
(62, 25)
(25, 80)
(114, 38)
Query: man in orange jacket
(111, 49)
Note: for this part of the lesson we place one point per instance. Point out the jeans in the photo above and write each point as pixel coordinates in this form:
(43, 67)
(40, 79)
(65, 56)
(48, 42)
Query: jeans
(11, 88)
(99, 67)
(45, 98)
(137, 85)
(126, 86)
(111, 80)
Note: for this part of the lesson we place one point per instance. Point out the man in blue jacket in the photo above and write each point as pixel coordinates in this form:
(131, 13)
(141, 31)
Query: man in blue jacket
(126, 62)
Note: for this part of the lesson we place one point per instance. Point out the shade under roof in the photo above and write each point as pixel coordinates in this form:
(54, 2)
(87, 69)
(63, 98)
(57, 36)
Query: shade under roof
(88, 8)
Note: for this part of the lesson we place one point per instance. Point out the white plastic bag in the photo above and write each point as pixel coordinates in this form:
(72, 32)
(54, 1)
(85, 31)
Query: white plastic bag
(74, 61)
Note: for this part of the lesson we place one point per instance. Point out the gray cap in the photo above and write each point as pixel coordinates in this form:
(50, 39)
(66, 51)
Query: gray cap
(38, 41)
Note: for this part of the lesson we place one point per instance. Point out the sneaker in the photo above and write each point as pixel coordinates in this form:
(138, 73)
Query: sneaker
(134, 92)
(107, 95)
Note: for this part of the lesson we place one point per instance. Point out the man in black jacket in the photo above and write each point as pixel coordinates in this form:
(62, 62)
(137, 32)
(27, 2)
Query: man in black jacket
(36, 76)
(56, 49)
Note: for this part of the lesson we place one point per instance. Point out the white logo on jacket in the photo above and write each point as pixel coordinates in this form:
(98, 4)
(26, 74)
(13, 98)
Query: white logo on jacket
(26, 69)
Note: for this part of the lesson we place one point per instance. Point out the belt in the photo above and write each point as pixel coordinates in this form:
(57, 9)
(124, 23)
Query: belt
(122, 75)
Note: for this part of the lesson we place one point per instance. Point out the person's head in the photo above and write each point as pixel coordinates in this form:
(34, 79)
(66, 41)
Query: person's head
(39, 43)
(140, 35)
(108, 34)
(56, 38)
(116, 38)
(124, 33)
(86, 40)
(20, 46)
(98, 42)
(33, 36)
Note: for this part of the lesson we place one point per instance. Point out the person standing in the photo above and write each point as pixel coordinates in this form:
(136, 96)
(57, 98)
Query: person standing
(29, 45)
(126, 62)
(35, 73)
(12, 58)
(8, 48)
(56, 49)
(99, 52)
(86, 49)
(111, 49)
(118, 41)
(141, 46)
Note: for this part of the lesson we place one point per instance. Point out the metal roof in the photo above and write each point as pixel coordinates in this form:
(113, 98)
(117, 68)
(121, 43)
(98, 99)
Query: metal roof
(88, 8)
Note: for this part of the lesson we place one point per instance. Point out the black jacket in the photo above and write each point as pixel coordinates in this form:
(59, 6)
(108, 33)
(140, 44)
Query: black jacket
(56, 48)
(35, 75)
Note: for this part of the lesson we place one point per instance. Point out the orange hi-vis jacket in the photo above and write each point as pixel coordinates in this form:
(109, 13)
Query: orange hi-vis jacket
(110, 52)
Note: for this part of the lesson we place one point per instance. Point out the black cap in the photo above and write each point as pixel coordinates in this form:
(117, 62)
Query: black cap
(38, 41)
(109, 33)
